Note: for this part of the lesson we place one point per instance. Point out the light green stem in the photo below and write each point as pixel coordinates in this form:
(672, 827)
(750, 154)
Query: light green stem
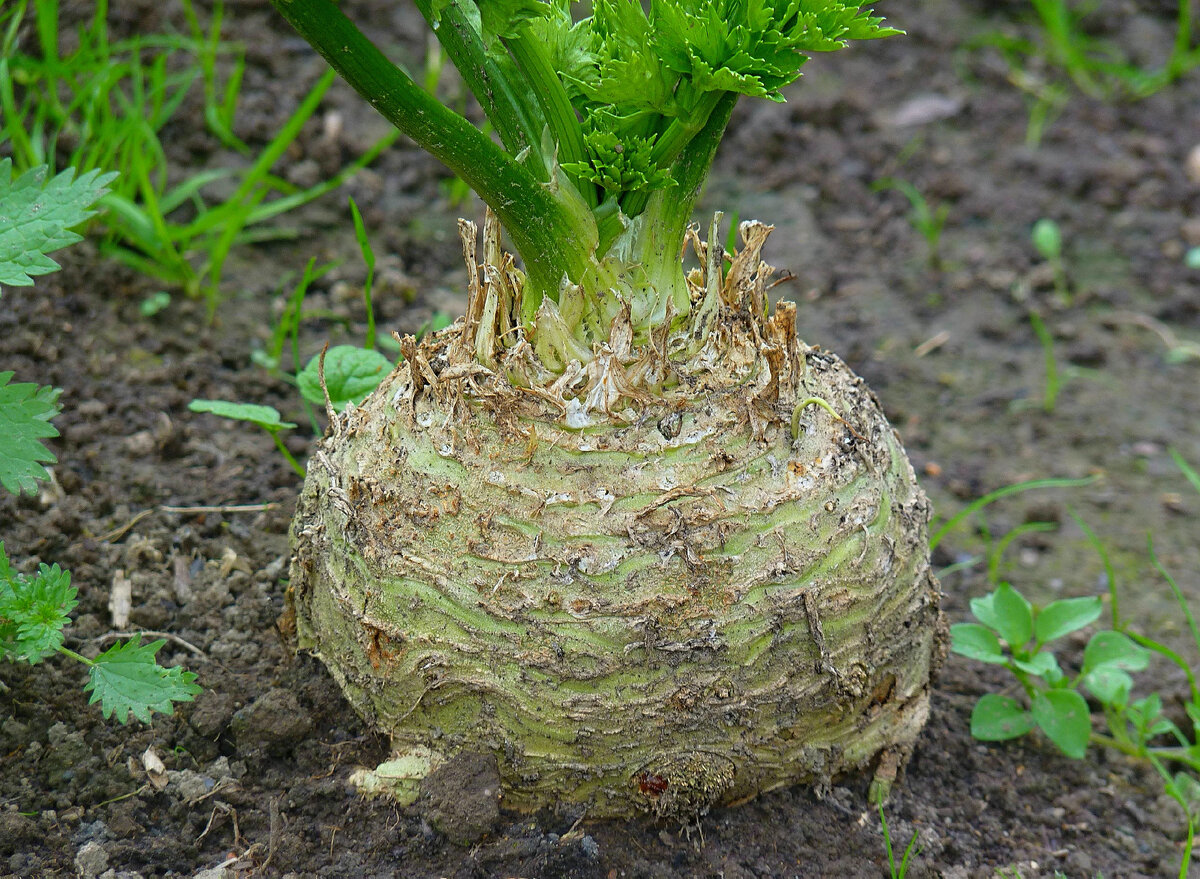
(67, 651)
(291, 459)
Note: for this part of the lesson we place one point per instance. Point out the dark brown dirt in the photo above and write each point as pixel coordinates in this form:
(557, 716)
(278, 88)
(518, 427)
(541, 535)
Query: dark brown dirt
(258, 765)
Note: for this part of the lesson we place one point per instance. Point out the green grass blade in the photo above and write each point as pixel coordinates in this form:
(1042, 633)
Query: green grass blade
(1185, 468)
(1175, 591)
(1110, 575)
(364, 244)
(991, 497)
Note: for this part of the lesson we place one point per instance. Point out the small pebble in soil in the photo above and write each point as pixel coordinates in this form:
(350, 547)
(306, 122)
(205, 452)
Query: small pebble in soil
(91, 860)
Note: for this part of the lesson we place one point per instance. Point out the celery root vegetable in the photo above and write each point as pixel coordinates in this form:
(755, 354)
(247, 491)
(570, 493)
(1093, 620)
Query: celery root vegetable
(617, 525)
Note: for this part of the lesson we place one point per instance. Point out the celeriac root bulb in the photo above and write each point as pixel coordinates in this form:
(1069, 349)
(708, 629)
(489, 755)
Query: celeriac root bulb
(691, 570)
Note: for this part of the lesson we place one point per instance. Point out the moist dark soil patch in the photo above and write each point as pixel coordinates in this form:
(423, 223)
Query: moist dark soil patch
(258, 765)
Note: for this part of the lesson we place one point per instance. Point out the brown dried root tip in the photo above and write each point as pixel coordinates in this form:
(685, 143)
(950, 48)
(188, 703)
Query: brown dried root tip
(329, 412)
(824, 404)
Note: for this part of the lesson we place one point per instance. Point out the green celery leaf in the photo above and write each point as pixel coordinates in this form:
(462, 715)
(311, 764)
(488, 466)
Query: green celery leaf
(567, 42)
(753, 47)
(36, 217)
(127, 679)
(1110, 685)
(618, 164)
(1064, 717)
(620, 66)
(1063, 617)
(266, 417)
(493, 19)
(33, 611)
(976, 642)
(998, 718)
(1115, 650)
(25, 413)
(351, 373)
(1006, 612)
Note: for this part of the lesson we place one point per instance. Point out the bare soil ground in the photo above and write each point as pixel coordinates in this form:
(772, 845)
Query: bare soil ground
(259, 763)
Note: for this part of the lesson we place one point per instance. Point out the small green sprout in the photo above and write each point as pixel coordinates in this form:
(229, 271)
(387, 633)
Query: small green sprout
(1048, 242)
(152, 305)
(928, 220)
(126, 679)
(1011, 632)
(1007, 626)
(351, 373)
(266, 417)
(1053, 382)
(910, 851)
(122, 93)
(1064, 56)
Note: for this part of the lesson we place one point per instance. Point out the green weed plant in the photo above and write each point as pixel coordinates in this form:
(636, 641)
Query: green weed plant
(105, 104)
(927, 219)
(1064, 56)
(336, 377)
(37, 216)
(1011, 632)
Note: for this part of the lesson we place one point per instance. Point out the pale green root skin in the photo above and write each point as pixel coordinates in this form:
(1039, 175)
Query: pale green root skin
(660, 613)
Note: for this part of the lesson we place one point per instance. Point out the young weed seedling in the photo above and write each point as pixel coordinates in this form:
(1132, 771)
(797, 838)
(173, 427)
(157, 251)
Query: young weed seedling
(1053, 382)
(926, 219)
(106, 102)
(1048, 242)
(910, 851)
(36, 217)
(337, 376)
(1074, 58)
(1011, 632)
(266, 417)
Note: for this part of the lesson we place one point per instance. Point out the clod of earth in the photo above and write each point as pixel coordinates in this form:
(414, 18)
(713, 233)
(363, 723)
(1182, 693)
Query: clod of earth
(638, 602)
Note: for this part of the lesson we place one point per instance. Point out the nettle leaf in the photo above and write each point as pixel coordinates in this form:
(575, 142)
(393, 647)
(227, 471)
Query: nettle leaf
(998, 718)
(351, 373)
(25, 413)
(266, 417)
(127, 679)
(976, 642)
(33, 611)
(1063, 617)
(36, 217)
(1006, 612)
(1064, 717)
(1114, 650)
